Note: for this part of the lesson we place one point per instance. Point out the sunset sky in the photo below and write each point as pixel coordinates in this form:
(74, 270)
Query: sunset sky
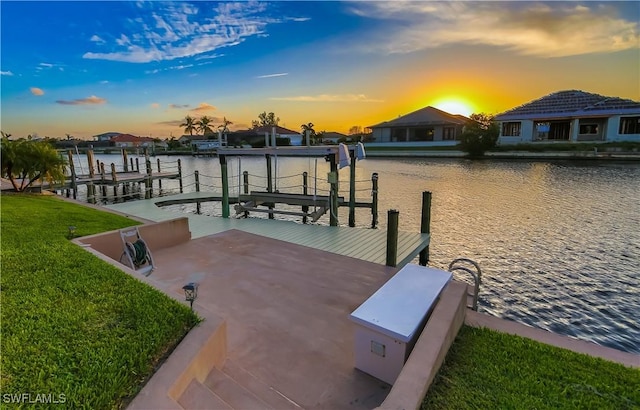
(85, 68)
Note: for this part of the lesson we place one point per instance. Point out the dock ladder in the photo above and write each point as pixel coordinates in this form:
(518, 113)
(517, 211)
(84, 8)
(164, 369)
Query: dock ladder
(458, 265)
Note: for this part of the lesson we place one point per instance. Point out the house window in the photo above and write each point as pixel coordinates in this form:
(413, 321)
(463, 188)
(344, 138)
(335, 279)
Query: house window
(398, 134)
(629, 125)
(511, 129)
(449, 133)
(421, 134)
(588, 129)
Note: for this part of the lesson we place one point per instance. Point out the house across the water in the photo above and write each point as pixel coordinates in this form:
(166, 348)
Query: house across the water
(571, 116)
(427, 126)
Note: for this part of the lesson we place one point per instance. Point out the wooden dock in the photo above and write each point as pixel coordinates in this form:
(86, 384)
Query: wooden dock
(364, 244)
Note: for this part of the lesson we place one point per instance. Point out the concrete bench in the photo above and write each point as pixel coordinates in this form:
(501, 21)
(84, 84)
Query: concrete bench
(390, 321)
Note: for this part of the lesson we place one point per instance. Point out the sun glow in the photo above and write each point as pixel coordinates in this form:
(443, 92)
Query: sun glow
(454, 105)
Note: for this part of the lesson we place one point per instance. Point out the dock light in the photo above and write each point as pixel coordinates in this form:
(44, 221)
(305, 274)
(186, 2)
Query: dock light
(190, 292)
(72, 232)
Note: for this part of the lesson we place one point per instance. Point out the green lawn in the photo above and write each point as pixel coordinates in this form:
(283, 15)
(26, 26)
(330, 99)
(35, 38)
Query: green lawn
(490, 370)
(72, 324)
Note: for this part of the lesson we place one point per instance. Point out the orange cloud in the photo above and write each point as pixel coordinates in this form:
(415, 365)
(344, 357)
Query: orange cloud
(203, 107)
(93, 100)
(36, 91)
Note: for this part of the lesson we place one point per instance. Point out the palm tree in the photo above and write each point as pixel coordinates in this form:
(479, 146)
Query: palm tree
(312, 133)
(223, 127)
(189, 125)
(203, 125)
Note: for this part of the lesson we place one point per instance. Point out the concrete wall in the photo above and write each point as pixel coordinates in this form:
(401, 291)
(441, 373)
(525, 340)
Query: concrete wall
(157, 236)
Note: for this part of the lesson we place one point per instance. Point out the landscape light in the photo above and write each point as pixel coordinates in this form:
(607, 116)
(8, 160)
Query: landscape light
(190, 292)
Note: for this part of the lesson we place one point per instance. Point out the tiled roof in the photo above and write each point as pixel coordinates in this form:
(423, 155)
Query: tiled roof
(571, 103)
(424, 116)
(130, 138)
(333, 134)
(279, 130)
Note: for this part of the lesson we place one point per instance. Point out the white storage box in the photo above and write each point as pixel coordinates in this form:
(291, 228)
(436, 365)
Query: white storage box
(390, 321)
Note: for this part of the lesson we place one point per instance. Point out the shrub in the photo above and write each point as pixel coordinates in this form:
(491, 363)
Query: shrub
(480, 135)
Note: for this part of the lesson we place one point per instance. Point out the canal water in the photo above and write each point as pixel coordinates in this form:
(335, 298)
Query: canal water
(558, 242)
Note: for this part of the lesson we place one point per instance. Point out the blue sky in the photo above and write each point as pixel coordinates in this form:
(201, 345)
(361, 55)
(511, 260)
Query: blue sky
(84, 68)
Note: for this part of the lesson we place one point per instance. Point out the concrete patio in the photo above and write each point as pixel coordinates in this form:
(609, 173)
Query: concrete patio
(276, 331)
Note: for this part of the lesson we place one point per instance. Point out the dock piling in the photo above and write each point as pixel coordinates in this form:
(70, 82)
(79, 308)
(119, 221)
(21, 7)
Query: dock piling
(124, 160)
(352, 189)
(392, 237)
(425, 225)
(148, 182)
(333, 196)
(74, 182)
(103, 179)
(374, 200)
(269, 182)
(90, 160)
(160, 179)
(179, 173)
(225, 185)
(305, 191)
(114, 178)
(196, 174)
(245, 188)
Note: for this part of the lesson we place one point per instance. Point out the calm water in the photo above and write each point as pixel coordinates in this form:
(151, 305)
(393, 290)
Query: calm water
(559, 243)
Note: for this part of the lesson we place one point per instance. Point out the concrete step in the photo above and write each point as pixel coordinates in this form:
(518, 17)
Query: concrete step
(232, 392)
(199, 397)
(264, 391)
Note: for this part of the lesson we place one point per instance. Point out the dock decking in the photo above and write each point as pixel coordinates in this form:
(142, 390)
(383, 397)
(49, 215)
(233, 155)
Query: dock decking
(364, 244)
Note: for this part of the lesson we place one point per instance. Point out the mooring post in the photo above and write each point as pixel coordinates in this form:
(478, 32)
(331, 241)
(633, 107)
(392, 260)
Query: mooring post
(91, 192)
(74, 183)
(131, 164)
(374, 200)
(180, 174)
(114, 178)
(137, 165)
(104, 182)
(352, 188)
(160, 179)
(425, 225)
(148, 182)
(269, 181)
(196, 174)
(245, 189)
(392, 237)
(225, 185)
(90, 163)
(333, 194)
(245, 182)
(124, 160)
(305, 191)
(91, 188)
